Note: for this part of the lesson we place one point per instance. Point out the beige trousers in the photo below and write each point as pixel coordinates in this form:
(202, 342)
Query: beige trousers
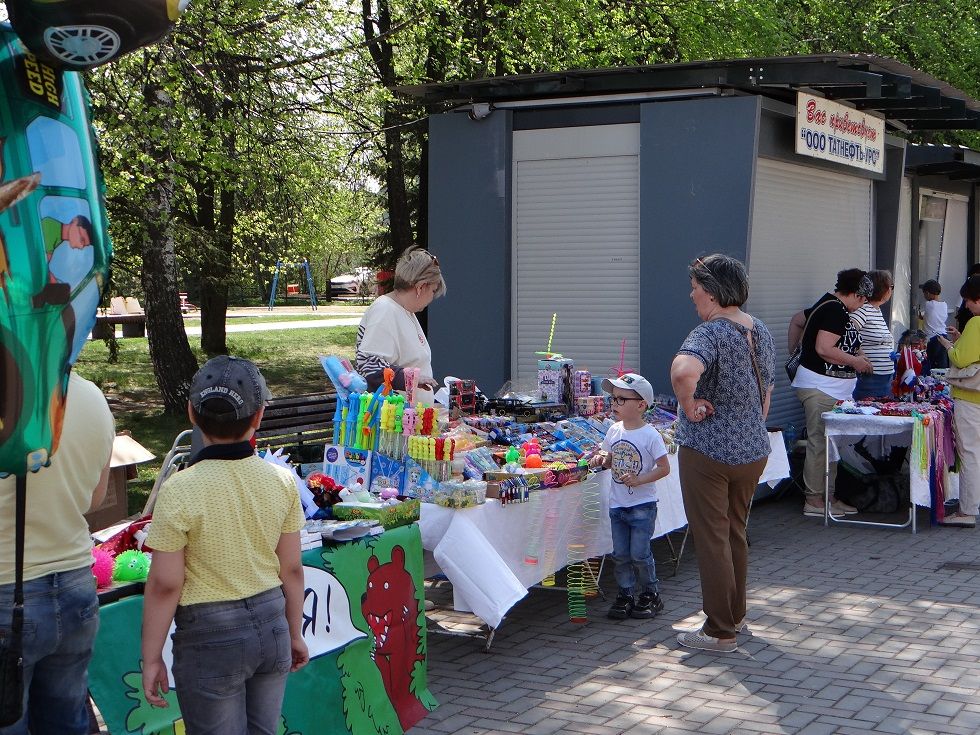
(966, 419)
(816, 402)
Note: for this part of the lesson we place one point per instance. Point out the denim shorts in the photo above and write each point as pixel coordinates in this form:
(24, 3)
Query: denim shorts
(231, 660)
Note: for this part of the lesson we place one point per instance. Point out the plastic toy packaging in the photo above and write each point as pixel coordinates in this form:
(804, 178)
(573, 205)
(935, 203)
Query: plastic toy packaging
(514, 490)
(460, 494)
(478, 461)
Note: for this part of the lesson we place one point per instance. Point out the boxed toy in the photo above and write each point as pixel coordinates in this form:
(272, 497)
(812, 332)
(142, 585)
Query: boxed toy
(418, 483)
(550, 377)
(345, 465)
(386, 473)
(390, 516)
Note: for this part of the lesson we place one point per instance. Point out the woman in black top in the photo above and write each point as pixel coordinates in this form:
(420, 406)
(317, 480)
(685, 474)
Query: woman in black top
(828, 371)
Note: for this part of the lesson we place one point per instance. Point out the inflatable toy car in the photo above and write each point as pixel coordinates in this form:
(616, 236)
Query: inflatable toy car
(81, 34)
(54, 248)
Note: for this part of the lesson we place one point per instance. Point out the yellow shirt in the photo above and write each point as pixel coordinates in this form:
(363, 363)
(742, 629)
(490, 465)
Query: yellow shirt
(227, 515)
(966, 352)
(56, 537)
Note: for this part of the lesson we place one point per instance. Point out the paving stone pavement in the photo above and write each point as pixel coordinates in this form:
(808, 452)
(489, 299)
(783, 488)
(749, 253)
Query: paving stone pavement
(853, 630)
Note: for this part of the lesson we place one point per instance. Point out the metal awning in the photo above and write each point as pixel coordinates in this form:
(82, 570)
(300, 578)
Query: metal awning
(898, 92)
(952, 161)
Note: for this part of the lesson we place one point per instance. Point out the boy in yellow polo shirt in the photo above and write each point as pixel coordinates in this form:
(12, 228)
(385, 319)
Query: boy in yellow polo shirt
(226, 567)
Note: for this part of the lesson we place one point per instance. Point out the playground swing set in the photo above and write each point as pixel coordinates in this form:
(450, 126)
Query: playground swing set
(292, 289)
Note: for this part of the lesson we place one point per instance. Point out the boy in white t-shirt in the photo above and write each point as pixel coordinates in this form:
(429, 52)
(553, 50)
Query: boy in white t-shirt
(935, 313)
(635, 452)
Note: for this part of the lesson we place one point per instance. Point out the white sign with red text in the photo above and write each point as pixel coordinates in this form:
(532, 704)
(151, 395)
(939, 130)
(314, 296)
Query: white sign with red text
(833, 132)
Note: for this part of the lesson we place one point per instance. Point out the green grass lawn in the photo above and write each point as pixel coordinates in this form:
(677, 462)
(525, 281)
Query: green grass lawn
(288, 359)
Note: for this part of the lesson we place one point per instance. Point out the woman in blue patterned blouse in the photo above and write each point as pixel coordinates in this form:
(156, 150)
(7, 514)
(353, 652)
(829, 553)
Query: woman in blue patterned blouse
(723, 376)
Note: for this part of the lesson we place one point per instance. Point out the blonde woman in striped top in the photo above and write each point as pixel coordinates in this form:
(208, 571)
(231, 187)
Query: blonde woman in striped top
(877, 343)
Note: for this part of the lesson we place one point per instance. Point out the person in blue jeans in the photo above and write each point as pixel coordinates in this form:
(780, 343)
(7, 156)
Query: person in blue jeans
(226, 568)
(636, 454)
(61, 608)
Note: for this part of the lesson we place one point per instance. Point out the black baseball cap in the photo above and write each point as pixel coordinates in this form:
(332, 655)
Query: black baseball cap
(227, 388)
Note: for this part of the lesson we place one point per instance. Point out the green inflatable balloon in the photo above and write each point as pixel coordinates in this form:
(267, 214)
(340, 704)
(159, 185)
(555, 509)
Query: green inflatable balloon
(54, 248)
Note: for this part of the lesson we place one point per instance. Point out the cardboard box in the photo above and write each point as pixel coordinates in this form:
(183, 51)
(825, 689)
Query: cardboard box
(346, 465)
(126, 454)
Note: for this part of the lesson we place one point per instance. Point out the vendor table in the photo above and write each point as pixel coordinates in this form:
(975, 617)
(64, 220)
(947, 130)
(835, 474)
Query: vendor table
(492, 553)
(367, 671)
(843, 426)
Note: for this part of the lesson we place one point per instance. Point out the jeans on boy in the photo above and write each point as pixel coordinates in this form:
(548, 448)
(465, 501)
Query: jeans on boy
(61, 618)
(231, 660)
(632, 529)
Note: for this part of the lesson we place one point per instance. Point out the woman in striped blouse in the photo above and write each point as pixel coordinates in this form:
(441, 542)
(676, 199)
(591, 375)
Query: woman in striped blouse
(877, 343)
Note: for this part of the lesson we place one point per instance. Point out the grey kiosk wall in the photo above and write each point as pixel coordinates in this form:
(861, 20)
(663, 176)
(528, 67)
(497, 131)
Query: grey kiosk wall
(697, 172)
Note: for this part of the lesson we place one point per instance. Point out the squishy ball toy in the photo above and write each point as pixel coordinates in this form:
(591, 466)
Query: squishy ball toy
(131, 566)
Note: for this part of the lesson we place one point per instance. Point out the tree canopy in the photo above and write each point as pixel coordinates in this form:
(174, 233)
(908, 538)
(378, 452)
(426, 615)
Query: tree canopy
(259, 131)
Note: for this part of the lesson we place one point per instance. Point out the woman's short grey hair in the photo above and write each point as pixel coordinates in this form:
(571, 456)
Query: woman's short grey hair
(723, 277)
(416, 266)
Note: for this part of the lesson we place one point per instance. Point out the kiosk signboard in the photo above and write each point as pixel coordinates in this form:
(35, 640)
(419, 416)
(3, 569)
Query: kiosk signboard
(834, 132)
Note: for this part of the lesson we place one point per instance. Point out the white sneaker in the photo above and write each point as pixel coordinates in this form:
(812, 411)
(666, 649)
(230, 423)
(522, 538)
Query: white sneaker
(698, 640)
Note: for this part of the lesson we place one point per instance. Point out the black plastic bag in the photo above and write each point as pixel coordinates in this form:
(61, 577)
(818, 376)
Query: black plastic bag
(11, 681)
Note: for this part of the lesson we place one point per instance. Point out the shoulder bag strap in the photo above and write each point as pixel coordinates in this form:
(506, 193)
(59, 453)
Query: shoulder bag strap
(17, 617)
(807, 324)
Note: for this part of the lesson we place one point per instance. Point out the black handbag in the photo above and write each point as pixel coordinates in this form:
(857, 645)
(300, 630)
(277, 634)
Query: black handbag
(12, 646)
(793, 363)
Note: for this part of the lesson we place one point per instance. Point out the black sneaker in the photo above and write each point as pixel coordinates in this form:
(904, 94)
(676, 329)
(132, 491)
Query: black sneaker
(622, 608)
(647, 606)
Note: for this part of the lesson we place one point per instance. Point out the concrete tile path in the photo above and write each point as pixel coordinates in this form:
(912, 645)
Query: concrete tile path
(853, 630)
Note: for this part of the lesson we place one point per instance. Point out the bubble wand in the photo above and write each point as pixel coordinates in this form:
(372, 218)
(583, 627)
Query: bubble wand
(549, 355)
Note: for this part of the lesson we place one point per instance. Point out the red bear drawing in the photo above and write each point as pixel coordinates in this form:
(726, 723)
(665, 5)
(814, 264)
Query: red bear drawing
(391, 609)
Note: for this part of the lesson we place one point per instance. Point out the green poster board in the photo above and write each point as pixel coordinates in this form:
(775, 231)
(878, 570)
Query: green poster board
(344, 689)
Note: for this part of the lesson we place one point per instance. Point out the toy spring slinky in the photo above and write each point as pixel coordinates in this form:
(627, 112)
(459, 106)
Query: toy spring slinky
(549, 536)
(581, 578)
(533, 530)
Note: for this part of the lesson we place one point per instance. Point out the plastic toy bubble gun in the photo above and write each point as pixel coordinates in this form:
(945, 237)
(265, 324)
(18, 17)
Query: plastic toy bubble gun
(343, 376)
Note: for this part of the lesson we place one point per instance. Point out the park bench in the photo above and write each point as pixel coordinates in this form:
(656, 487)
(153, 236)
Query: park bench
(300, 423)
(125, 311)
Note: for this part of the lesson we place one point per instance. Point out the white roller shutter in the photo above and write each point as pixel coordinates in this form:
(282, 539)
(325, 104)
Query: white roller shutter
(576, 246)
(953, 260)
(901, 301)
(807, 224)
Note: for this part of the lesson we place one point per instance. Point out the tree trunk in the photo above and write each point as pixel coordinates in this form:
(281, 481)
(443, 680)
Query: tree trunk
(173, 362)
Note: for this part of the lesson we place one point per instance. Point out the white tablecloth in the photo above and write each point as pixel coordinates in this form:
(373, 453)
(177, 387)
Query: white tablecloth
(847, 428)
(486, 551)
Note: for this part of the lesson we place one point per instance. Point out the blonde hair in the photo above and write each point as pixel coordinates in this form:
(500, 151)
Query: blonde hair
(415, 266)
